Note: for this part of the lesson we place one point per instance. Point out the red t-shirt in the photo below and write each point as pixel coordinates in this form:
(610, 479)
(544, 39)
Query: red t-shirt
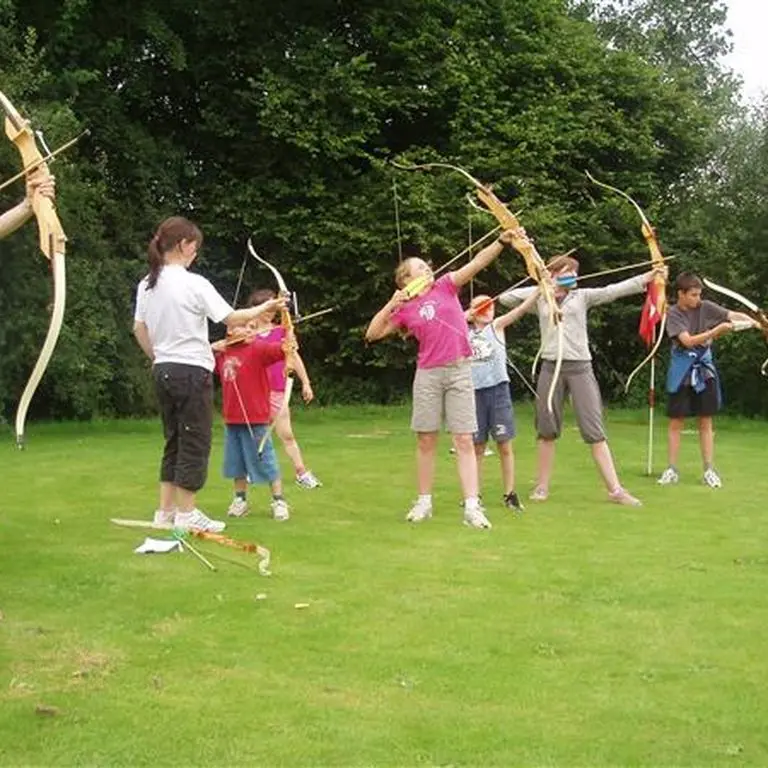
(244, 382)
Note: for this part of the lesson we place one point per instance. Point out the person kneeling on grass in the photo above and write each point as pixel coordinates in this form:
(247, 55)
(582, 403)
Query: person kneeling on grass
(242, 367)
(493, 399)
(268, 330)
(577, 376)
(693, 382)
(430, 311)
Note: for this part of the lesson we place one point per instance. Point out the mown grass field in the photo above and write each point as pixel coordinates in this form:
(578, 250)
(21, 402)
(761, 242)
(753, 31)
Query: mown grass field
(579, 633)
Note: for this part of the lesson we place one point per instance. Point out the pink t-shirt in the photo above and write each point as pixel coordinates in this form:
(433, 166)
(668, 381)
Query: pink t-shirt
(437, 321)
(276, 371)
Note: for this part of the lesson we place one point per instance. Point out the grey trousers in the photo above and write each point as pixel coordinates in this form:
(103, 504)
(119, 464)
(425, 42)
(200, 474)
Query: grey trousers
(577, 379)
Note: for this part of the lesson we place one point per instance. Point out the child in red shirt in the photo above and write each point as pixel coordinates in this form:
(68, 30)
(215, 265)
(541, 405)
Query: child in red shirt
(242, 368)
(267, 331)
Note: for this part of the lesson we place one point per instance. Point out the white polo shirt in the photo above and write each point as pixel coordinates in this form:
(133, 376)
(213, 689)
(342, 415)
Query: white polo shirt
(176, 312)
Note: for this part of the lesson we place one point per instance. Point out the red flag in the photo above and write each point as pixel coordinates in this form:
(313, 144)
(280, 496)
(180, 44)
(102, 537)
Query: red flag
(650, 317)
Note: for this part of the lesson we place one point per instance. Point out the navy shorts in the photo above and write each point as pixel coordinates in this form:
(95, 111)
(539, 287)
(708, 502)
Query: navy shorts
(495, 415)
(241, 454)
(688, 402)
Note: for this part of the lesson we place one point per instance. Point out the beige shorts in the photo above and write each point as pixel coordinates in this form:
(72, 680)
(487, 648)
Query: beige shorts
(444, 393)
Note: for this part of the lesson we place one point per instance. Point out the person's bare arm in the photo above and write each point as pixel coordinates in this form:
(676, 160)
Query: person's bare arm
(243, 316)
(142, 336)
(38, 183)
(507, 319)
(381, 325)
(490, 253)
(689, 340)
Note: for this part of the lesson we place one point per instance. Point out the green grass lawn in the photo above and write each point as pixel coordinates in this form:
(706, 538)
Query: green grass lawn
(579, 633)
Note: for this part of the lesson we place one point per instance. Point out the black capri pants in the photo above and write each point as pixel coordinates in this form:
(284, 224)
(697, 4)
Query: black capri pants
(185, 394)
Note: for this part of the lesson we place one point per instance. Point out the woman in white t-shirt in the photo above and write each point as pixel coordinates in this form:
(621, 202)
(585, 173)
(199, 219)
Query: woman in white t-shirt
(173, 307)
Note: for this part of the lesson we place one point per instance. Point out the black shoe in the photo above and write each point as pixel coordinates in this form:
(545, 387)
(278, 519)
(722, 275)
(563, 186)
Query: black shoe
(511, 501)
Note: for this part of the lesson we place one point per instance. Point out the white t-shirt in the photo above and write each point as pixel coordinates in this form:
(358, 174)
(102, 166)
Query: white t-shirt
(176, 312)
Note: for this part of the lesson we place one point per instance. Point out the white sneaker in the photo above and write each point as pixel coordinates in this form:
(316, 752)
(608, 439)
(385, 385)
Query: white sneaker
(238, 507)
(197, 519)
(308, 480)
(539, 493)
(475, 518)
(669, 477)
(419, 511)
(280, 510)
(163, 517)
(712, 479)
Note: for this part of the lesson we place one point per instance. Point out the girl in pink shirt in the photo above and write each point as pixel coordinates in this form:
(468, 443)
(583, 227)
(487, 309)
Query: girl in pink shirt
(430, 311)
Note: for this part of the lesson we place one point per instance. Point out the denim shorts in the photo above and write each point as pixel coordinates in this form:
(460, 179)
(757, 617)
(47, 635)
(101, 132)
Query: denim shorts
(495, 416)
(241, 455)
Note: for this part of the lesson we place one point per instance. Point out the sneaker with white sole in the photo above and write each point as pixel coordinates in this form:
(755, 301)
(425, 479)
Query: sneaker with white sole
(624, 497)
(539, 493)
(475, 518)
(307, 480)
(238, 507)
(163, 517)
(421, 510)
(712, 479)
(197, 519)
(669, 476)
(280, 510)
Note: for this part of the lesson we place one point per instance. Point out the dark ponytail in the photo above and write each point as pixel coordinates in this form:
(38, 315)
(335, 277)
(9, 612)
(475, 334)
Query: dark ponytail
(169, 234)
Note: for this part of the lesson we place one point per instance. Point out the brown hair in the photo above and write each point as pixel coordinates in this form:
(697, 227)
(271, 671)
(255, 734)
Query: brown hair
(563, 261)
(169, 234)
(259, 296)
(687, 280)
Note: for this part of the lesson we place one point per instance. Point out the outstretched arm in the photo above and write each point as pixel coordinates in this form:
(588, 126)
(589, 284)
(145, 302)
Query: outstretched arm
(482, 259)
(501, 322)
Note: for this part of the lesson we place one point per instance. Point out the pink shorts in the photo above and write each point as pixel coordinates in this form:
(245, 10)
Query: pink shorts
(275, 401)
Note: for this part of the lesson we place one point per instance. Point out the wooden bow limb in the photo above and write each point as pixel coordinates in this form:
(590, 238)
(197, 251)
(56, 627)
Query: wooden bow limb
(262, 553)
(287, 323)
(52, 242)
(657, 260)
(757, 314)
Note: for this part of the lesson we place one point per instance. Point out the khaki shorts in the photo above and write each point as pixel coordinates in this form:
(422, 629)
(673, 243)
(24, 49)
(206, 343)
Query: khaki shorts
(446, 393)
(578, 379)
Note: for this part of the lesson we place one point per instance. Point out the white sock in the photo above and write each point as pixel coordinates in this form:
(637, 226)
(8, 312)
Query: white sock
(425, 499)
(471, 502)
